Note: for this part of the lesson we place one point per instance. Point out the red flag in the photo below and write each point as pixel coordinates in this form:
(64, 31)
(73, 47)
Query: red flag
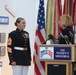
(71, 8)
(74, 16)
(55, 28)
(57, 14)
(65, 11)
(74, 20)
(39, 66)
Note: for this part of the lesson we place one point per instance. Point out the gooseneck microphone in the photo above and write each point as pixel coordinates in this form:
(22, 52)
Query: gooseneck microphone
(50, 36)
(71, 34)
(65, 38)
(61, 35)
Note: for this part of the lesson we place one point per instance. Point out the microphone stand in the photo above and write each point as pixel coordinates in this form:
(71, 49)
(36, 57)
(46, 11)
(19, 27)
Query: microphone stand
(71, 39)
(71, 35)
(67, 41)
(44, 42)
(49, 37)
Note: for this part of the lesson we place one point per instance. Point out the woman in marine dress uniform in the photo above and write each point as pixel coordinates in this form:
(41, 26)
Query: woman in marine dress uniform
(18, 48)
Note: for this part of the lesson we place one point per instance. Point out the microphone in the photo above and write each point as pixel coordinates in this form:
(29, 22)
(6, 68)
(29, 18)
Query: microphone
(61, 35)
(50, 36)
(65, 37)
(71, 34)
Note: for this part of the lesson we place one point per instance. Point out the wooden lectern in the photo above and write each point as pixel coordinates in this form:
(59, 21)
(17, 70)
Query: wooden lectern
(58, 58)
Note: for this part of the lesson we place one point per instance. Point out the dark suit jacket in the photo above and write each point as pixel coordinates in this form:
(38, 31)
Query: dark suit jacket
(66, 32)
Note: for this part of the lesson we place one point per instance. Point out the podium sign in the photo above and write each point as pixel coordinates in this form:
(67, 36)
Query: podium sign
(56, 52)
(62, 53)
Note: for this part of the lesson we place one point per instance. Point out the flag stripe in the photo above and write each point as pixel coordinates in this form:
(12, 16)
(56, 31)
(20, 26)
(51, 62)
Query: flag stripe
(75, 12)
(41, 38)
(57, 14)
(35, 46)
(37, 40)
(38, 66)
(65, 7)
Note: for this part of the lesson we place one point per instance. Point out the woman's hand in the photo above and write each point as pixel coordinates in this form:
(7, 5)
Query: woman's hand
(65, 37)
(13, 63)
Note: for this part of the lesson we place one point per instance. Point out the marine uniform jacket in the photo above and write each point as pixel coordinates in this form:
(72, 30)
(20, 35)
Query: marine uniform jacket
(19, 39)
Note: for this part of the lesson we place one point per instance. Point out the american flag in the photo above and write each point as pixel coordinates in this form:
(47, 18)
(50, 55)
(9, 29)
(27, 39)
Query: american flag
(39, 66)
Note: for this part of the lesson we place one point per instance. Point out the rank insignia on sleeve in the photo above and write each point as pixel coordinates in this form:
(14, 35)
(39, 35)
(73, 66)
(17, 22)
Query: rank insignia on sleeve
(9, 41)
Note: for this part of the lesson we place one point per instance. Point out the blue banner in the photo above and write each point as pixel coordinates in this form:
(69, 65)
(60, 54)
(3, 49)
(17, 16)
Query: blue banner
(62, 53)
(4, 20)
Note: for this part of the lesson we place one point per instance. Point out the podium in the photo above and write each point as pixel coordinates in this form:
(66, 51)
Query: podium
(58, 58)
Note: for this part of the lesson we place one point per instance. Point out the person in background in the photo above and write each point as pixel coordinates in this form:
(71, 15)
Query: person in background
(18, 47)
(66, 24)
